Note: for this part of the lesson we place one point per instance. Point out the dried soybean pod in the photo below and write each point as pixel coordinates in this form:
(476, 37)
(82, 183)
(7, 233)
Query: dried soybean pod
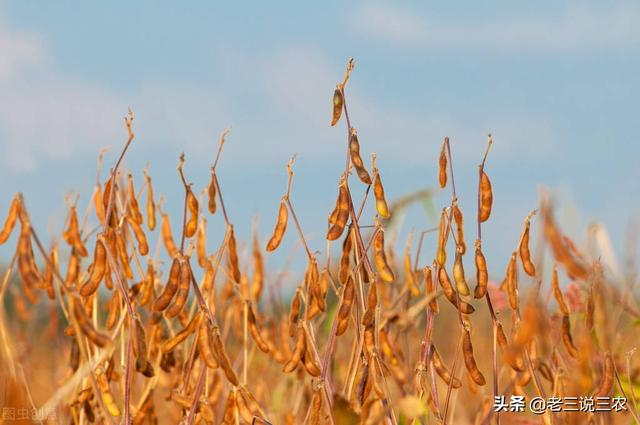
(525, 254)
(72, 233)
(514, 360)
(296, 356)
(105, 393)
(232, 254)
(139, 339)
(429, 289)
(27, 268)
(192, 222)
(167, 236)
(567, 339)
(86, 326)
(470, 361)
(342, 214)
(442, 164)
(245, 412)
(170, 288)
(204, 345)
(408, 270)
(294, 314)
(378, 192)
(459, 220)
(223, 359)
(211, 192)
(441, 251)
(183, 290)
(281, 226)
(141, 238)
(230, 414)
(309, 363)
(50, 266)
(482, 275)
(338, 101)
(134, 209)
(606, 383)
(442, 370)
(98, 201)
(348, 295)
(356, 159)
(450, 294)
(97, 270)
(458, 275)
(201, 244)
(380, 258)
(173, 342)
(151, 205)
(345, 258)
(10, 221)
(557, 293)
(74, 355)
(114, 308)
(255, 332)
(121, 247)
(512, 282)
(316, 407)
(258, 270)
(486, 197)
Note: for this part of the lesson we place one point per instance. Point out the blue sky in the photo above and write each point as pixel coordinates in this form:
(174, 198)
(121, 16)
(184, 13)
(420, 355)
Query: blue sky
(557, 83)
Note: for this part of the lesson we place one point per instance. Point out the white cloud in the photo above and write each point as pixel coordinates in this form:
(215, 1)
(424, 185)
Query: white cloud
(575, 28)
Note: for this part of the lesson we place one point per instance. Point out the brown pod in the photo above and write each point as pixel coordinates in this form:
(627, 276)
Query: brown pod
(134, 209)
(348, 296)
(168, 345)
(139, 338)
(171, 287)
(337, 102)
(316, 407)
(223, 359)
(450, 293)
(442, 164)
(281, 226)
(123, 255)
(380, 258)
(255, 332)
(141, 238)
(557, 293)
(442, 370)
(193, 208)
(512, 282)
(342, 214)
(182, 293)
(97, 270)
(232, 255)
(470, 361)
(356, 159)
(514, 360)
(201, 243)
(486, 197)
(105, 393)
(345, 259)
(114, 308)
(482, 275)
(86, 326)
(606, 383)
(72, 234)
(10, 221)
(27, 268)
(296, 355)
(430, 288)
(98, 202)
(441, 250)
(309, 363)
(409, 274)
(211, 192)
(458, 275)
(258, 270)
(230, 414)
(294, 315)
(167, 236)
(205, 346)
(459, 220)
(109, 201)
(151, 205)
(525, 254)
(567, 339)
(378, 192)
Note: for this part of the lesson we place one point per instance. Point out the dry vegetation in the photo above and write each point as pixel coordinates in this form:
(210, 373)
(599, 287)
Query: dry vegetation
(373, 336)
